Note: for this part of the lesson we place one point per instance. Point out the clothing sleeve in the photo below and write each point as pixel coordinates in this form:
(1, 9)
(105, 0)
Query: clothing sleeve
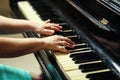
(11, 73)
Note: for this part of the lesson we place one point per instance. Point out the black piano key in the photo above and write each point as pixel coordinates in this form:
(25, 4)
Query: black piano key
(78, 50)
(67, 33)
(84, 57)
(77, 40)
(58, 20)
(78, 46)
(108, 75)
(65, 26)
(92, 67)
(84, 60)
(81, 55)
(39, 5)
(45, 12)
(49, 16)
(43, 9)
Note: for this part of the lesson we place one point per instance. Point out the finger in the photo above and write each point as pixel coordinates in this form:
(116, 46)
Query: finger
(67, 40)
(64, 43)
(57, 25)
(47, 32)
(54, 28)
(62, 49)
(54, 24)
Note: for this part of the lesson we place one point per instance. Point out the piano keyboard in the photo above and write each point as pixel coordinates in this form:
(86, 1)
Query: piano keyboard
(81, 63)
(29, 12)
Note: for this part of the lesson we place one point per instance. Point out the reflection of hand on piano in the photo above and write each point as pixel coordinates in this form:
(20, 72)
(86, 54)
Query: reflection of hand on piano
(58, 43)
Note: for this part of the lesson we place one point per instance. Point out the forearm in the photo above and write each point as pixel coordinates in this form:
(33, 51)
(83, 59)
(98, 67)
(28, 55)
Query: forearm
(9, 25)
(12, 47)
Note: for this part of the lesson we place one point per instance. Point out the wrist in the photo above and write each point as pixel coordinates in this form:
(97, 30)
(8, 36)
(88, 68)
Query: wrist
(28, 25)
(40, 43)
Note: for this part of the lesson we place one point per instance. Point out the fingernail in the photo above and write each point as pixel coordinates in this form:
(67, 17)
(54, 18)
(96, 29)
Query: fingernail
(60, 26)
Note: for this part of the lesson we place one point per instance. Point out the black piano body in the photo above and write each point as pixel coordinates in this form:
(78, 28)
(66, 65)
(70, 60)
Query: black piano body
(96, 22)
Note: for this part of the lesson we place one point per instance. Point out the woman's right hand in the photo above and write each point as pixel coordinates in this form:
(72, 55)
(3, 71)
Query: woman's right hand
(57, 43)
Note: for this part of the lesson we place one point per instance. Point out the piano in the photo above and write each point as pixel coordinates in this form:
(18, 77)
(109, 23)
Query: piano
(94, 25)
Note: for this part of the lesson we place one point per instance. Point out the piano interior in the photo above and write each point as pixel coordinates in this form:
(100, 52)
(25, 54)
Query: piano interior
(92, 24)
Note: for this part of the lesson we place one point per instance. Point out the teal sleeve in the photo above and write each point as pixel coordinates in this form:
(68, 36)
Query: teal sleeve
(11, 73)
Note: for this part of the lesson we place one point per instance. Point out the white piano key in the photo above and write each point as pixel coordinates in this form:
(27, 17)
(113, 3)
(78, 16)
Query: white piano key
(82, 44)
(72, 36)
(70, 67)
(67, 63)
(76, 75)
(98, 71)
(80, 52)
(87, 48)
(67, 56)
(91, 62)
(82, 76)
(65, 60)
(67, 30)
(28, 11)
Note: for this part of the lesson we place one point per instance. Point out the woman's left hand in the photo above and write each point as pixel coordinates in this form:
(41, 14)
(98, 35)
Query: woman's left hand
(47, 28)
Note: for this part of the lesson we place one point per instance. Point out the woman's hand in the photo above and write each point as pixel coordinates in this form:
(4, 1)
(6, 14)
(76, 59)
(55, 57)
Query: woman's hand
(58, 43)
(12, 26)
(46, 28)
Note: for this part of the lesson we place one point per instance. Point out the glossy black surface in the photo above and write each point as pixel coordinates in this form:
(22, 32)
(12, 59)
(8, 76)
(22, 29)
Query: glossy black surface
(109, 39)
